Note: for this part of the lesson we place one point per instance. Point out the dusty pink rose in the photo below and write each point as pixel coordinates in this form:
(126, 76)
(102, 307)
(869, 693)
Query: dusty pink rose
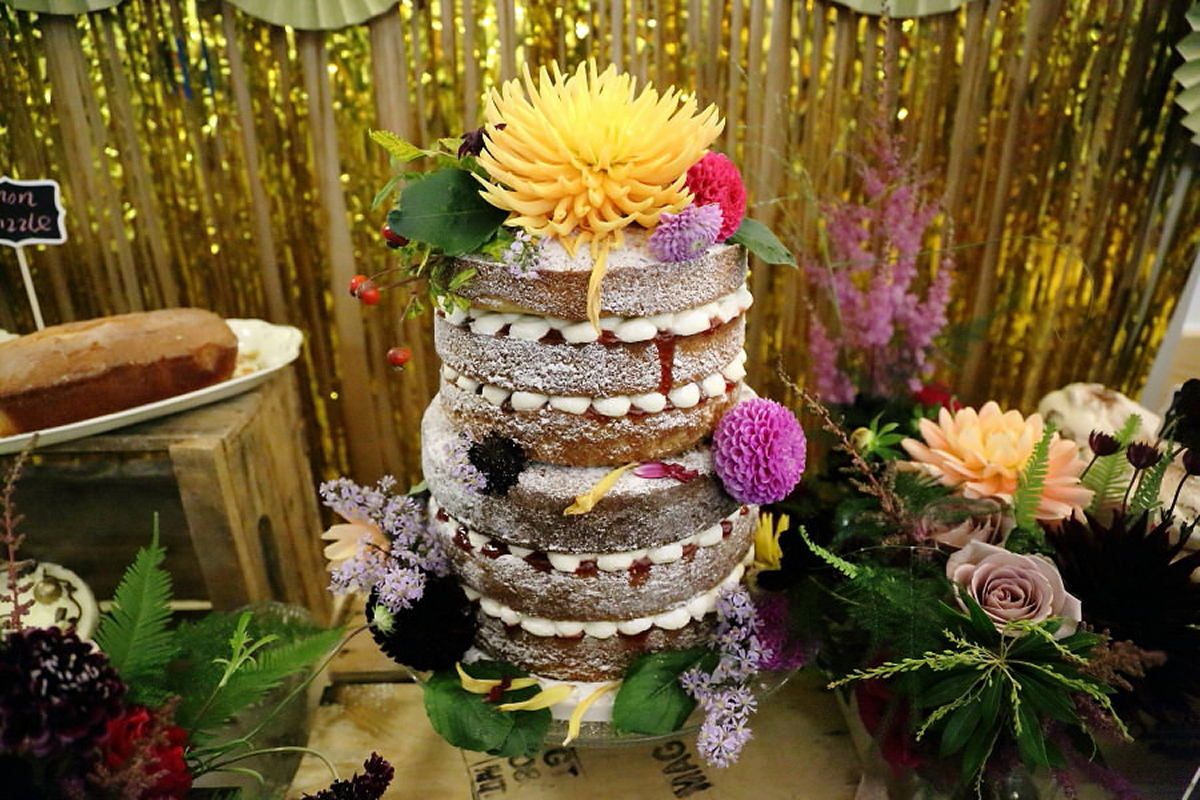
(984, 452)
(1011, 587)
(955, 521)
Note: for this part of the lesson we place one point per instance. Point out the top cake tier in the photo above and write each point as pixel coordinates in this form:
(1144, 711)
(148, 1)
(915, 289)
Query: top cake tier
(635, 284)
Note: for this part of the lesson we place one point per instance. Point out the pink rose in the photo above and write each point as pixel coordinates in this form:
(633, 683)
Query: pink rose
(956, 520)
(1011, 587)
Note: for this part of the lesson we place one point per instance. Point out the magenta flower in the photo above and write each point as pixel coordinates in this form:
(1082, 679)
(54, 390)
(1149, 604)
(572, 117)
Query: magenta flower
(759, 451)
(685, 235)
(715, 179)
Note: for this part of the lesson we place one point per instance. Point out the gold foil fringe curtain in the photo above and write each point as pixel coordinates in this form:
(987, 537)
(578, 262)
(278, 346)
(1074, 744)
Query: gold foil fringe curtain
(209, 158)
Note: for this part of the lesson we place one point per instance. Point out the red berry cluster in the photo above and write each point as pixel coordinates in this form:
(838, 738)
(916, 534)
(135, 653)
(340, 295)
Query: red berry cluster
(364, 289)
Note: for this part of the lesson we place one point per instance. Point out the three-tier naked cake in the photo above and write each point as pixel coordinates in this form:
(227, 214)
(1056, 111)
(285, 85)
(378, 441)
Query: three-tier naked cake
(587, 491)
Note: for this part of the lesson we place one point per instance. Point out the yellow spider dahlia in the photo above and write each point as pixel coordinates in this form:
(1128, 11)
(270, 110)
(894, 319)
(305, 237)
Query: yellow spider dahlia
(583, 156)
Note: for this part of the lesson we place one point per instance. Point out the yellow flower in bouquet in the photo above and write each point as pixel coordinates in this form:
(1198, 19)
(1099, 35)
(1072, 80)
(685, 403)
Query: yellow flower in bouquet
(984, 452)
(584, 156)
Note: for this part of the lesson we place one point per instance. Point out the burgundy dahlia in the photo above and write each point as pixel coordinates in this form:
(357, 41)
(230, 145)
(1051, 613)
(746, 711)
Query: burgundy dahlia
(56, 693)
(432, 634)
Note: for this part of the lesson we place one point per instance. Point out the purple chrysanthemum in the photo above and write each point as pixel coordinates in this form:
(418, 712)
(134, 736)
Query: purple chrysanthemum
(685, 235)
(780, 650)
(759, 451)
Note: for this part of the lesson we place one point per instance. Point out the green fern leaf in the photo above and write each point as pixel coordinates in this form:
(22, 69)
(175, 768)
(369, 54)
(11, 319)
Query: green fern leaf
(1145, 498)
(1032, 482)
(135, 633)
(205, 703)
(1106, 475)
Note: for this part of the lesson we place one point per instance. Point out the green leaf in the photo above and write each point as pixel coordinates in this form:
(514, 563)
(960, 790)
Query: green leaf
(467, 720)
(210, 695)
(134, 634)
(446, 211)
(1105, 475)
(955, 685)
(1030, 742)
(398, 147)
(651, 701)
(759, 240)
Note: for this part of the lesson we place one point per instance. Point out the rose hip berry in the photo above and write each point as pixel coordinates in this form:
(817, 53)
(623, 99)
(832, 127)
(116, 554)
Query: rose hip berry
(399, 356)
(392, 238)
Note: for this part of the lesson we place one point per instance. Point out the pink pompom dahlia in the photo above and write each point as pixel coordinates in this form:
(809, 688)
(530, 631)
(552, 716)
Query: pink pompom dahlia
(715, 179)
(759, 451)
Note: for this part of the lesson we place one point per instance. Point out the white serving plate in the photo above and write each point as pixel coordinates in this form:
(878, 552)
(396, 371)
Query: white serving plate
(263, 349)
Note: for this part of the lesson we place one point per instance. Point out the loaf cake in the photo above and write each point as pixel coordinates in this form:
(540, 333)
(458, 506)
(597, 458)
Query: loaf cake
(591, 342)
(79, 370)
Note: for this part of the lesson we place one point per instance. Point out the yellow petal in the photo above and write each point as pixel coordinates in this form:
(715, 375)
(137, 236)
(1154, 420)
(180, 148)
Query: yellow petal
(577, 715)
(599, 268)
(485, 685)
(543, 699)
(767, 552)
(587, 501)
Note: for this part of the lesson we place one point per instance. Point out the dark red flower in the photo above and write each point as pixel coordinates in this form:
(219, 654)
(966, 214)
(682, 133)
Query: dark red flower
(935, 395)
(1103, 444)
(1143, 455)
(138, 739)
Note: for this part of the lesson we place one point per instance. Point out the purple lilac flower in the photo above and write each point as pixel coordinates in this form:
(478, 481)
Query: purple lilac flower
(725, 695)
(413, 548)
(759, 451)
(682, 236)
(523, 255)
(458, 461)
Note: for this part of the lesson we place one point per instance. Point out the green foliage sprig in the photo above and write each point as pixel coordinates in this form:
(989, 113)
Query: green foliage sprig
(987, 685)
(217, 667)
(1031, 484)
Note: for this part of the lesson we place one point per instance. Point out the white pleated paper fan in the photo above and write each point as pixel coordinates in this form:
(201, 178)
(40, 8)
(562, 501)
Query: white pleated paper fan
(315, 15)
(903, 9)
(1188, 75)
(64, 7)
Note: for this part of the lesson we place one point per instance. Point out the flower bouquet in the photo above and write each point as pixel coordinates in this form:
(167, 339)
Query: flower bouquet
(152, 704)
(992, 594)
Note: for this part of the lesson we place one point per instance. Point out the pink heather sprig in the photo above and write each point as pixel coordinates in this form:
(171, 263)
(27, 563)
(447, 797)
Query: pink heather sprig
(725, 695)
(715, 179)
(686, 235)
(888, 317)
(759, 451)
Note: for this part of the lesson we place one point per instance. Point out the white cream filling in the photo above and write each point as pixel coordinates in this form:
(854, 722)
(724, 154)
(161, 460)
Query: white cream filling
(685, 395)
(672, 619)
(532, 327)
(620, 561)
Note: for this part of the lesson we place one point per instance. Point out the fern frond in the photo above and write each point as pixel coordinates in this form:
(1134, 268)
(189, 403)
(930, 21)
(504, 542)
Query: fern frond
(837, 562)
(1033, 482)
(135, 633)
(1145, 497)
(216, 694)
(1106, 475)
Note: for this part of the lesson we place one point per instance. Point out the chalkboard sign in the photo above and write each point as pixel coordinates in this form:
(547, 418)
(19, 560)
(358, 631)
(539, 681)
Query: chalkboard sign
(30, 213)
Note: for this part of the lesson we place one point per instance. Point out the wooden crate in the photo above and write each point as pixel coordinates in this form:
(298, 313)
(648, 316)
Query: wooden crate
(232, 487)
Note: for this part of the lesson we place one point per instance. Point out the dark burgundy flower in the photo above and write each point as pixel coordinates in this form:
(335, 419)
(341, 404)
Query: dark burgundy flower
(1191, 461)
(56, 693)
(473, 141)
(1143, 455)
(369, 785)
(1103, 444)
(432, 634)
(143, 743)
(1182, 420)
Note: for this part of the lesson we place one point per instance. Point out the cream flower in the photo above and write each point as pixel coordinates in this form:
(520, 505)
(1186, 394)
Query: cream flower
(583, 156)
(983, 453)
(346, 538)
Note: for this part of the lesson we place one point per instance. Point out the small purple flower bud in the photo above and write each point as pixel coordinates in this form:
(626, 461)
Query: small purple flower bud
(1103, 444)
(1143, 455)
